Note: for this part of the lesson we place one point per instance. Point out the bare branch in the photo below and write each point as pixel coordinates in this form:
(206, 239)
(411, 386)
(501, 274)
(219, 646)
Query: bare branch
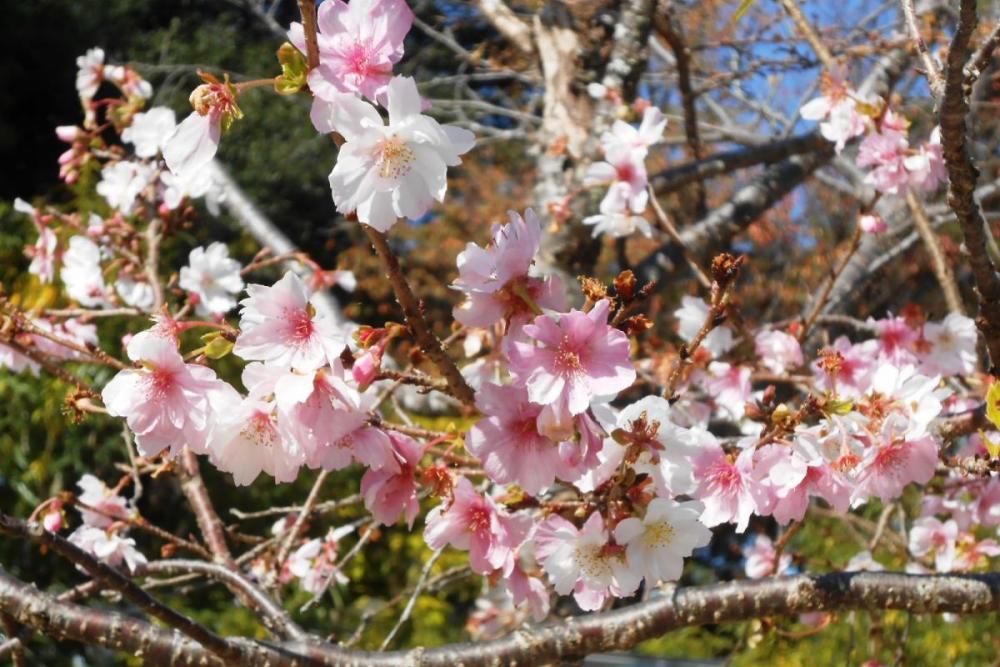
(962, 175)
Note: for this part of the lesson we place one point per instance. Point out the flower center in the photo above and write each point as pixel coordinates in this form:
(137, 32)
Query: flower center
(593, 564)
(567, 358)
(300, 325)
(259, 430)
(159, 383)
(393, 158)
(659, 535)
(358, 59)
(479, 519)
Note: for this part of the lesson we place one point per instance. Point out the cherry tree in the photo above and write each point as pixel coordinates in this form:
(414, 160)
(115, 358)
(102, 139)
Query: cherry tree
(602, 436)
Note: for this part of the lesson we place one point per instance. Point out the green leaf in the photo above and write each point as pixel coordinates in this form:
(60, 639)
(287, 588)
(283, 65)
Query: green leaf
(993, 404)
(741, 10)
(294, 70)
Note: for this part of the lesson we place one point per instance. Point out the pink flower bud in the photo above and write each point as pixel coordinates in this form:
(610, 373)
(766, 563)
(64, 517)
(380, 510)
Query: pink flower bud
(873, 224)
(53, 521)
(366, 367)
(67, 133)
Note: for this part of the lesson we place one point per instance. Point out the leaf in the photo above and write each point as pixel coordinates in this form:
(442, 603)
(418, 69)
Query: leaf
(294, 70)
(993, 404)
(741, 10)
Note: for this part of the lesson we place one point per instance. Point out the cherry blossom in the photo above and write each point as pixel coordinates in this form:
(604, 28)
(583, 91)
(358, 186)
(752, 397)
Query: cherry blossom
(166, 402)
(279, 324)
(90, 73)
(194, 142)
(778, 351)
(508, 442)
(623, 136)
(359, 43)
(928, 535)
(81, 273)
(873, 223)
(473, 522)
(214, 277)
(728, 487)
(498, 280)
(245, 441)
(386, 492)
(926, 168)
(122, 182)
(395, 170)
(576, 360)
(691, 318)
(108, 546)
(837, 108)
(618, 217)
(657, 544)
(136, 293)
(579, 561)
(953, 346)
(886, 153)
(104, 505)
(150, 130)
(760, 558)
(893, 461)
(315, 562)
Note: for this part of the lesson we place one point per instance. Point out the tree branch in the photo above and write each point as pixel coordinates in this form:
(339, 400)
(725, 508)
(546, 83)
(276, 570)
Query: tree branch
(962, 175)
(553, 642)
(425, 338)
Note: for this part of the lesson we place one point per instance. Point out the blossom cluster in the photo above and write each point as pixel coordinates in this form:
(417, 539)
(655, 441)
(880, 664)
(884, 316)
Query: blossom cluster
(893, 165)
(584, 468)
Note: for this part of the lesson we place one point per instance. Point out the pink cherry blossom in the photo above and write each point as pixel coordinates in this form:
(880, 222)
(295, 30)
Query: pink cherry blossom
(508, 442)
(897, 340)
(760, 558)
(618, 214)
(846, 369)
(386, 492)
(778, 351)
(359, 43)
(43, 255)
(497, 279)
(279, 324)
(194, 142)
(728, 487)
(149, 131)
(873, 223)
(885, 152)
(246, 441)
(579, 561)
(729, 386)
(623, 171)
(530, 591)
(837, 108)
(791, 479)
(931, 536)
(926, 168)
(625, 137)
(166, 402)
(108, 546)
(474, 522)
(953, 346)
(576, 359)
(386, 172)
(104, 505)
(893, 462)
(315, 562)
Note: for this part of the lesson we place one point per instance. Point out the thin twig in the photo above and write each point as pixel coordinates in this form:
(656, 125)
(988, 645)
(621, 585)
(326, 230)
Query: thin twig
(408, 609)
(413, 312)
